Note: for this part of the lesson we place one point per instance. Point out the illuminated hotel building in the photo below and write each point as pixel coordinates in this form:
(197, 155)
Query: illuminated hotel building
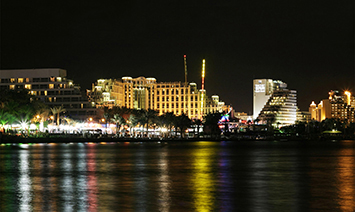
(262, 91)
(50, 86)
(100, 94)
(337, 106)
(175, 97)
(280, 109)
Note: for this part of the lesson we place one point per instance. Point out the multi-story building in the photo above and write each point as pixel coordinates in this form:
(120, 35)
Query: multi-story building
(243, 117)
(100, 94)
(337, 106)
(262, 91)
(175, 97)
(52, 87)
(280, 109)
(303, 116)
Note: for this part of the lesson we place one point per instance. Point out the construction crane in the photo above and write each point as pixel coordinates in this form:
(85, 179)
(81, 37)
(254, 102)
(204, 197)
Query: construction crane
(203, 74)
(203, 88)
(185, 64)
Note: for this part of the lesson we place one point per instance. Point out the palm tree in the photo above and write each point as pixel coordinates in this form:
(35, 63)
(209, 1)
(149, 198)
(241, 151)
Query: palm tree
(168, 120)
(197, 122)
(3, 119)
(118, 120)
(132, 121)
(12, 107)
(182, 122)
(211, 123)
(57, 111)
(146, 117)
(26, 112)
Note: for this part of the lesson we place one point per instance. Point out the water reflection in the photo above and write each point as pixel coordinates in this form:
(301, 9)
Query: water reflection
(24, 182)
(80, 185)
(164, 182)
(66, 184)
(92, 189)
(274, 173)
(8, 180)
(346, 179)
(331, 174)
(141, 180)
(203, 177)
(196, 176)
(225, 179)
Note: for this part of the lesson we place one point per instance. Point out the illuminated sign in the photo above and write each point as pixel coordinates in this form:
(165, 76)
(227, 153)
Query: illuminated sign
(259, 88)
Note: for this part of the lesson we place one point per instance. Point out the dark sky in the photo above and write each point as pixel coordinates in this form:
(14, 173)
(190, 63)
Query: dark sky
(307, 44)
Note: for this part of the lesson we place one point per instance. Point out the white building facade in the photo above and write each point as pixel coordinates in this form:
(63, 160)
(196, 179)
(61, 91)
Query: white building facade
(51, 87)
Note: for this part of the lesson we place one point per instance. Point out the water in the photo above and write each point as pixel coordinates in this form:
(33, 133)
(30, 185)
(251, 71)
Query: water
(179, 176)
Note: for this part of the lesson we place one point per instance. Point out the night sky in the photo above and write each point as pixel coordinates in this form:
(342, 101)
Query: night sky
(307, 44)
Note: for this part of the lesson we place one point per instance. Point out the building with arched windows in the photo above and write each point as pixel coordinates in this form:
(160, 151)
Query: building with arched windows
(146, 93)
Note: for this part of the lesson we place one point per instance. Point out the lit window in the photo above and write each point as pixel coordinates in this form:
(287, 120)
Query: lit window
(12, 80)
(12, 86)
(51, 86)
(28, 86)
(20, 80)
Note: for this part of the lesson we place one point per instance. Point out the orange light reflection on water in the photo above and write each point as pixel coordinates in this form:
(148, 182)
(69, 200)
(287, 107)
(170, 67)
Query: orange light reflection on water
(346, 178)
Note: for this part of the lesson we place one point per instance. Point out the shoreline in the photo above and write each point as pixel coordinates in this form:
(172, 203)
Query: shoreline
(65, 139)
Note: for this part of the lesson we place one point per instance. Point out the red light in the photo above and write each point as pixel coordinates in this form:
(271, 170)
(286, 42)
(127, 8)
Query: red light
(184, 55)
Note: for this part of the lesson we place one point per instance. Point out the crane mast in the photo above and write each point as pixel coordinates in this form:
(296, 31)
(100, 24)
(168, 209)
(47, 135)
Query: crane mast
(203, 89)
(185, 64)
(203, 74)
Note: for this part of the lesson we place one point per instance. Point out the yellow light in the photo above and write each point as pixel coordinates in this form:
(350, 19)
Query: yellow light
(103, 120)
(348, 94)
(203, 68)
(90, 119)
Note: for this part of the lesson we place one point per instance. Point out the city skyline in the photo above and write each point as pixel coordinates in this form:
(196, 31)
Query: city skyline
(306, 45)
